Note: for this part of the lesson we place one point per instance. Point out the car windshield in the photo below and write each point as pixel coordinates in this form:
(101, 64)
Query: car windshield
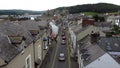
(63, 36)
(61, 54)
(63, 40)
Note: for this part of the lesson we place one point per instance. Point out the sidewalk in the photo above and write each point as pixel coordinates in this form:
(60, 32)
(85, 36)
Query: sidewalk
(44, 59)
(46, 62)
(74, 64)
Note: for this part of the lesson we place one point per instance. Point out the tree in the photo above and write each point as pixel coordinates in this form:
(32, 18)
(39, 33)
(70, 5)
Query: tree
(96, 17)
(102, 19)
(116, 29)
(99, 18)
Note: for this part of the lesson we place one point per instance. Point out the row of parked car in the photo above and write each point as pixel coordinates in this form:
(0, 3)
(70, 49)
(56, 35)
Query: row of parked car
(63, 42)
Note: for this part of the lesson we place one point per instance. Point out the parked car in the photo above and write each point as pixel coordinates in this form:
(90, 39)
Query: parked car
(63, 37)
(63, 42)
(61, 57)
(64, 28)
(63, 34)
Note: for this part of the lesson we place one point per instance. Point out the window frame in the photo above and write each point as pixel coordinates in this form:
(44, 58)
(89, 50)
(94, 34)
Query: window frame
(26, 64)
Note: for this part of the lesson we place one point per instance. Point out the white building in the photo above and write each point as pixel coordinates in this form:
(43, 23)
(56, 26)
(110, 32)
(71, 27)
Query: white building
(114, 20)
(105, 61)
(92, 56)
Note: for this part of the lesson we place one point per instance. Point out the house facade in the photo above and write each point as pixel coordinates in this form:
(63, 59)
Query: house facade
(92, 56)
(40, 34)
(76, 33)
(114, 19)
(16, 50)
(25, 60)
(27, 38)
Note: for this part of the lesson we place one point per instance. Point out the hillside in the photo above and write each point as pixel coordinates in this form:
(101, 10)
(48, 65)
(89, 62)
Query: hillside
(98, 8)
(18, 12)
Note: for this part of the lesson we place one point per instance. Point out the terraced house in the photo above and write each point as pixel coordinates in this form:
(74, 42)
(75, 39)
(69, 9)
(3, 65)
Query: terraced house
(16, 47)
(22, 44)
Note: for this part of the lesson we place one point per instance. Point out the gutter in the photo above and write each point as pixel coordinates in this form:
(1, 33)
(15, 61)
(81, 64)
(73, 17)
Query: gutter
(3, 65)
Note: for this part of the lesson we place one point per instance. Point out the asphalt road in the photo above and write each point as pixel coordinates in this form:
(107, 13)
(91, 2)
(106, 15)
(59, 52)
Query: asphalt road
(61, 49)
(51, 60)
(58, 49)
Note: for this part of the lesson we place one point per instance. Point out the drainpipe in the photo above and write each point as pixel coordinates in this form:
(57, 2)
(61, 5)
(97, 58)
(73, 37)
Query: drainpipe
(34, 50)
(75, 51)
(42, 47)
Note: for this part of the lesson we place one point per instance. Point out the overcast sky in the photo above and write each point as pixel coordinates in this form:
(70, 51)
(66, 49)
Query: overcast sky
(47, 4)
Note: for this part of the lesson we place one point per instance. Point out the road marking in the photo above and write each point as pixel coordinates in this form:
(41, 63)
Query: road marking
(54, 57)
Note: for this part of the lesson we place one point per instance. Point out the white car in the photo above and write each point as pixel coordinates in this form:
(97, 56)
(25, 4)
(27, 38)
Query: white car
(61, 57)
(63, 42)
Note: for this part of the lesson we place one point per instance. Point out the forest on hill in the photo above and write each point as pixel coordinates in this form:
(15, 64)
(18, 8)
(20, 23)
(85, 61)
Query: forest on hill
(99, 8)
(18, 12)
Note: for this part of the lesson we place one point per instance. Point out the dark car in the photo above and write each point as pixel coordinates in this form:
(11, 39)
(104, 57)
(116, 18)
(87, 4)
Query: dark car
(61, 57)
(63, 37)
(63, 34)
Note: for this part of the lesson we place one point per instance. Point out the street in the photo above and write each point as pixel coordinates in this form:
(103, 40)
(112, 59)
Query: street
(60, 49)
(51, 59)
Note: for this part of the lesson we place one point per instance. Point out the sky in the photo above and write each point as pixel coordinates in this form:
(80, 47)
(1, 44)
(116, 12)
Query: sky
(40, 5)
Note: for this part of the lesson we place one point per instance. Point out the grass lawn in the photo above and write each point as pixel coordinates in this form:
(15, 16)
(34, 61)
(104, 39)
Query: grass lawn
(90, 13)
(113, 13)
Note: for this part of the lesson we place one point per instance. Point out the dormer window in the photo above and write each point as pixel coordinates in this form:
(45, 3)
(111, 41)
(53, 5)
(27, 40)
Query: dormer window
(108, 47)
(15, 39)
(34, 32)
(116, 44)
(41, 27)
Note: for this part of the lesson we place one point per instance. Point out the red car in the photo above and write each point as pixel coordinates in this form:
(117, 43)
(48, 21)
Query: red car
(63, 38)
(63, 30)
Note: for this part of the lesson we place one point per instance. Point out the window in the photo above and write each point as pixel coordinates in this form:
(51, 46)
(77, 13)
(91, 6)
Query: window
(28, 61)
(39, 52)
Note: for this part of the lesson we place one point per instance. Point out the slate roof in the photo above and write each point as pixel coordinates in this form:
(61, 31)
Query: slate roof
(29, 25)
(14, 29)
(103, 24)
(77, 16)
(32, 25)
(34, 32)
(91, 53)
(76, 28)
(110, 44)
(8, 51)
(16, 39)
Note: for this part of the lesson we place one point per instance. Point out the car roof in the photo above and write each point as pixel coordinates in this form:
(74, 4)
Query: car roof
(63, 40)
(61, 54)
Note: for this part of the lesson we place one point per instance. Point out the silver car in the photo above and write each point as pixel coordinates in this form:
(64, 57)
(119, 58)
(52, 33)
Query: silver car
(63, 42)
(61, 57)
